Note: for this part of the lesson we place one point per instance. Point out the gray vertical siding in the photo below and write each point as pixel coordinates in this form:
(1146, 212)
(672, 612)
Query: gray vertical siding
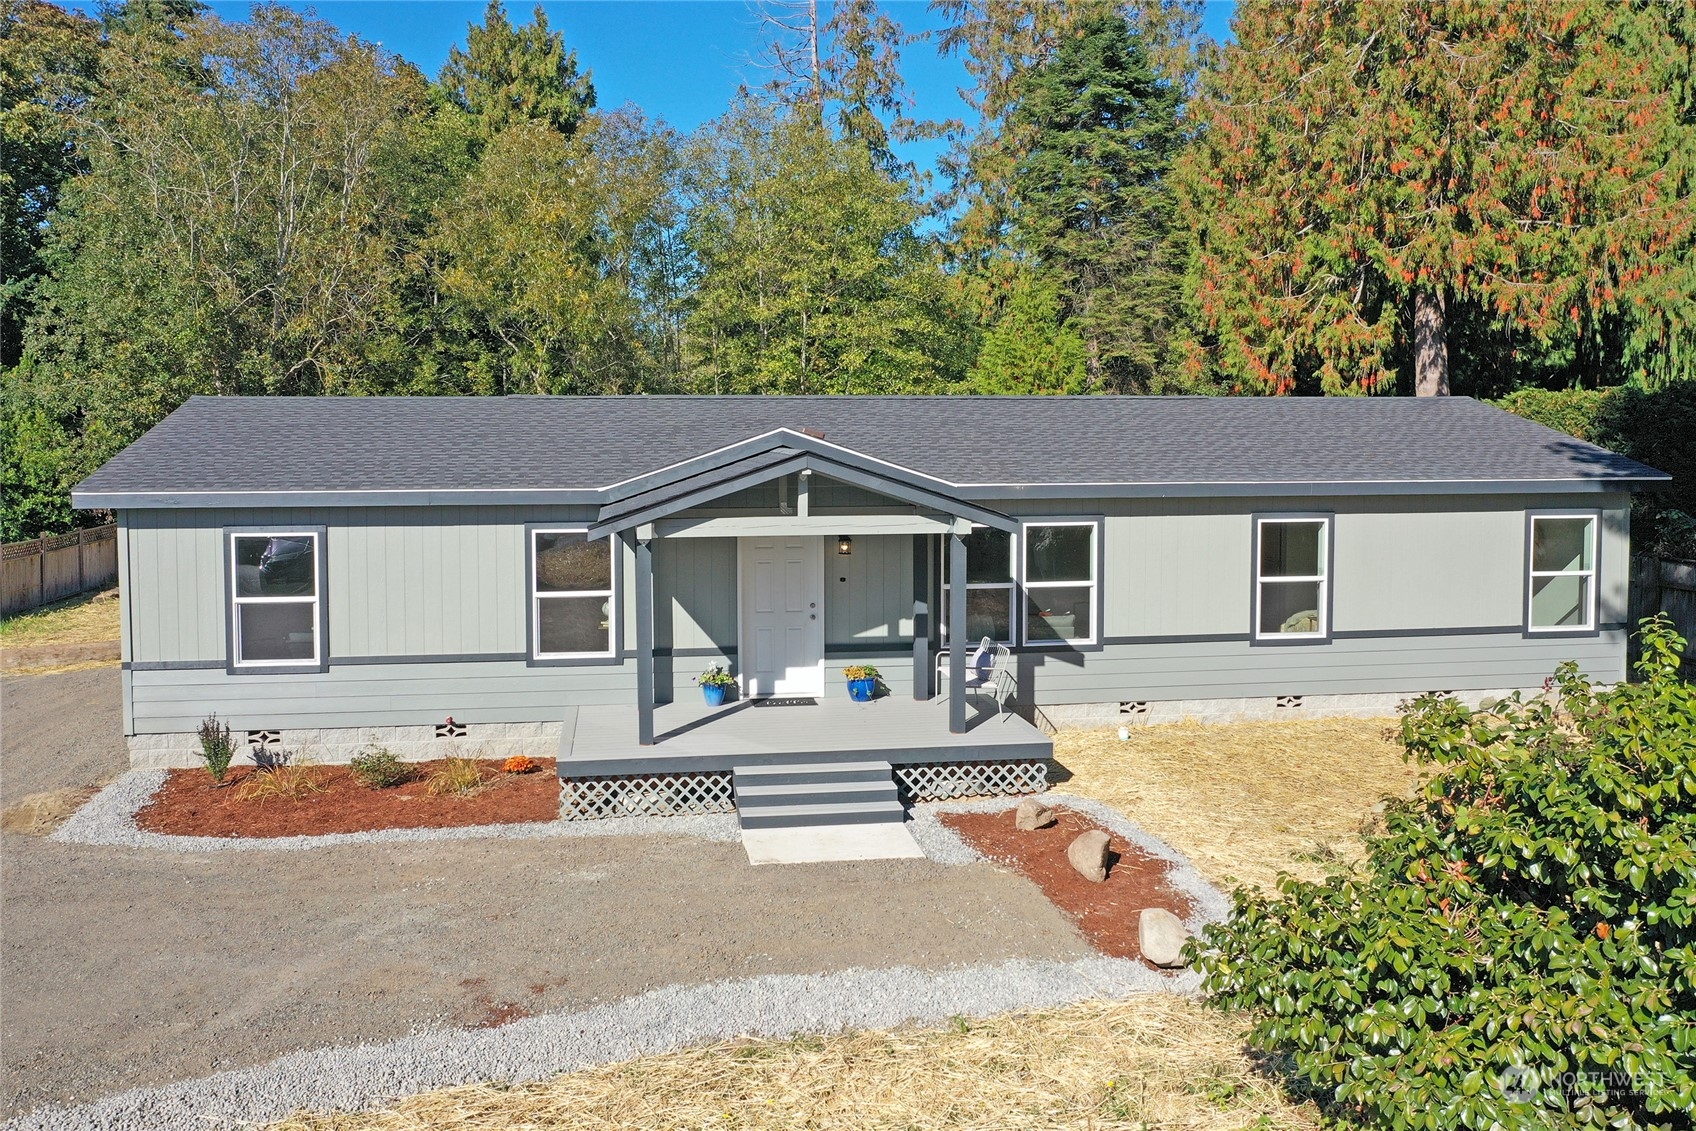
(1428, 595)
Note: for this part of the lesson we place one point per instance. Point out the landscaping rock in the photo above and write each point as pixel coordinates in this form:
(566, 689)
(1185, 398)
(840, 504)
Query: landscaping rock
(1088, 855)
(1161, 937)
(1033, 814)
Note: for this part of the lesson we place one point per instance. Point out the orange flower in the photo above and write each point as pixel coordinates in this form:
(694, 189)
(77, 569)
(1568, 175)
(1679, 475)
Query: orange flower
(521, 764)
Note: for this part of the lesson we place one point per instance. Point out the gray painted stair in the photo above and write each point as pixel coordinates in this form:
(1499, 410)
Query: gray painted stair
(797, 794)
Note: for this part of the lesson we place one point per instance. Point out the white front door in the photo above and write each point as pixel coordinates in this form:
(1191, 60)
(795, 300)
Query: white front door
(782, 646)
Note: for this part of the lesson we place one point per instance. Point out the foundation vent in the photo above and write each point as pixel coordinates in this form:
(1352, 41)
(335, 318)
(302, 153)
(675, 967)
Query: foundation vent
(450, 729)
(1289, 701)
(264, 737)
(1135, 709)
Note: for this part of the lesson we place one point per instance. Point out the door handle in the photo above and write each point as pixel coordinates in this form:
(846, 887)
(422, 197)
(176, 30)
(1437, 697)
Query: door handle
(812, 616)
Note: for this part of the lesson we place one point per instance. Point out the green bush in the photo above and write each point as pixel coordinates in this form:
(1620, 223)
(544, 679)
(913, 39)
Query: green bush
(376, 768)
(1519, 949)
(217, 748)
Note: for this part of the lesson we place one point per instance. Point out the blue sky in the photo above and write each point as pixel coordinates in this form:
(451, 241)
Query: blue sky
(680, 60)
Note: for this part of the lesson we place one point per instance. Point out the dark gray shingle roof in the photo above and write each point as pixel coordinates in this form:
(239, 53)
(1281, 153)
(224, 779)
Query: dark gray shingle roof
(264, 445)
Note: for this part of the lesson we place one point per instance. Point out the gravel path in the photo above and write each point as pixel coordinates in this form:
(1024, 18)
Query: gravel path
(661, 1021)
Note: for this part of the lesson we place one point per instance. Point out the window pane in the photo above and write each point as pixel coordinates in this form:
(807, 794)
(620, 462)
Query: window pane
(1060, 553)
(989, 612)
(1061, 613)
(1289, 606)
(568, 562)
(1560, 543)
(282, 631)
(573, 624)
(1291, 549)
(276, 567)
(1560, 601)
(989, 557)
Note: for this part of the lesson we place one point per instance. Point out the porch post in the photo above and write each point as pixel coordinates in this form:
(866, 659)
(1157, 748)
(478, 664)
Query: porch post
(644, 637)
(921, 617)
(957, 634)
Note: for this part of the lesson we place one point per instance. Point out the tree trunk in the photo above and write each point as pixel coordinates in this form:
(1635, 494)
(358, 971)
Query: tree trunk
(1430, 344)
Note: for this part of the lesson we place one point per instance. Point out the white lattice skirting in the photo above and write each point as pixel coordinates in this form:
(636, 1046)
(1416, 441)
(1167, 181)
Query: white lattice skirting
(646, 795)
(946, 781)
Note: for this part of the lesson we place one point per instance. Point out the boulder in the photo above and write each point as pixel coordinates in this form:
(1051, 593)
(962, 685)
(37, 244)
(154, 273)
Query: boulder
(1088, 855)
(1161, 937)
(1033, 814)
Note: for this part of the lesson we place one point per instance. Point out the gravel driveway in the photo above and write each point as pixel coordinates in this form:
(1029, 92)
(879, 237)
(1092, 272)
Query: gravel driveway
(126, 968)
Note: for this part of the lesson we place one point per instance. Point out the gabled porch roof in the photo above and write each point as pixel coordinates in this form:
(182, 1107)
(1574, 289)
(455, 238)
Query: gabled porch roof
(702, 480)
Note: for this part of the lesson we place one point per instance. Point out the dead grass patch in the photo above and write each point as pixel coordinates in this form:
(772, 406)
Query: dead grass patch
(80, 620)
(38, 814)
(1152, 1061)
(56, 669)
(1245, 800)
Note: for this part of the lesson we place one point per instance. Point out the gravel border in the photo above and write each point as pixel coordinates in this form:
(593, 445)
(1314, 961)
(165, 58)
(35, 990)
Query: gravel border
(942, 845)
(108, 818)
(662, 1020)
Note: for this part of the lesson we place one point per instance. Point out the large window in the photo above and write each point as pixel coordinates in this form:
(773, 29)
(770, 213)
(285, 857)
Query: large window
(990, 589)
(275, 596)
(1292, 559)
(1561, 596)
(572, 608)
(1061, 605)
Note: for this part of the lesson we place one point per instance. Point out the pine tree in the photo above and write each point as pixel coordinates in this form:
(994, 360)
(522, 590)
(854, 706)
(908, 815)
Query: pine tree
(506, 75)
(1092, 204)
(1381, 181)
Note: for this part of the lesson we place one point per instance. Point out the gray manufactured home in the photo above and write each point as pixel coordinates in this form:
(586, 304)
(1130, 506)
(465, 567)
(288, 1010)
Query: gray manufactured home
(550, 575)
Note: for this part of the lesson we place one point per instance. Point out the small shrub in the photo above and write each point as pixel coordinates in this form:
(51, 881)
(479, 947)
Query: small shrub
(377, 768)
(1520, 948)
(459, 777)
(284, 780)
(217, 748)
(521, 764)
(859, 671)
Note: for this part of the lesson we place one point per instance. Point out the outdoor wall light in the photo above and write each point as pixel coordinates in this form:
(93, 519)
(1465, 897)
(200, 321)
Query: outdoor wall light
(844, 545)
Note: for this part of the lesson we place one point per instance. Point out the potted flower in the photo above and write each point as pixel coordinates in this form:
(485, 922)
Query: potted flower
(862, 682)
(716, 683)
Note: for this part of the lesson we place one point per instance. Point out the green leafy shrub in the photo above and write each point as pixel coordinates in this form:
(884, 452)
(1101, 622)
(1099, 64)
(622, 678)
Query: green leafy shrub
(1520, 948)
(217, 748)
(377, 768)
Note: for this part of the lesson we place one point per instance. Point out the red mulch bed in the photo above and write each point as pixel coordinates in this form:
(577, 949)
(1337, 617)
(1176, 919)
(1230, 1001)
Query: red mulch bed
(1105, 912)
(191, 805)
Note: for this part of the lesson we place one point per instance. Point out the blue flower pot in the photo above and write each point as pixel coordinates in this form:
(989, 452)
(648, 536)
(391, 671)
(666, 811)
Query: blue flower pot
(862, 690)
(715, 693)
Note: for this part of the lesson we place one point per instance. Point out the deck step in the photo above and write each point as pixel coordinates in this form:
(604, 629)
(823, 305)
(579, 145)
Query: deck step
(802, 794)
(832, 813)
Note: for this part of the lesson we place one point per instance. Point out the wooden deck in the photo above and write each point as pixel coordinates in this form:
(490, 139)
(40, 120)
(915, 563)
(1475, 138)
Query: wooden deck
(601, 741)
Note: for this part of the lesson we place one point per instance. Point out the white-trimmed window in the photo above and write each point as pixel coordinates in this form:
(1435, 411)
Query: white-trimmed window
(1292, 556)
(572, 611)
(1561, 590)
(275, 598)
(1062, 593)
(991, 592)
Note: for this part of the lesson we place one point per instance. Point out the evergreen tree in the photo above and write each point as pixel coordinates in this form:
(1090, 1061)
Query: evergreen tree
(811, 276)
(1092, 203)
(508, 74)
(1026, 347)
(1379, 185)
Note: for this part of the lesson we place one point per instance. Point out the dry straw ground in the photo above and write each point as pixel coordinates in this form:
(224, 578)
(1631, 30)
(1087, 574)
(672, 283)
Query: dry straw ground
(1247, 800)
(45, 641)
(1154, 1061)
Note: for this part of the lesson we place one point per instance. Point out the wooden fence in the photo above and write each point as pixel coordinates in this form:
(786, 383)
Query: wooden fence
(56, 566)
(1661, 585)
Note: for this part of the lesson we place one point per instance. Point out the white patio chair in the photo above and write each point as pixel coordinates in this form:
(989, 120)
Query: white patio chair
(988, 669)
